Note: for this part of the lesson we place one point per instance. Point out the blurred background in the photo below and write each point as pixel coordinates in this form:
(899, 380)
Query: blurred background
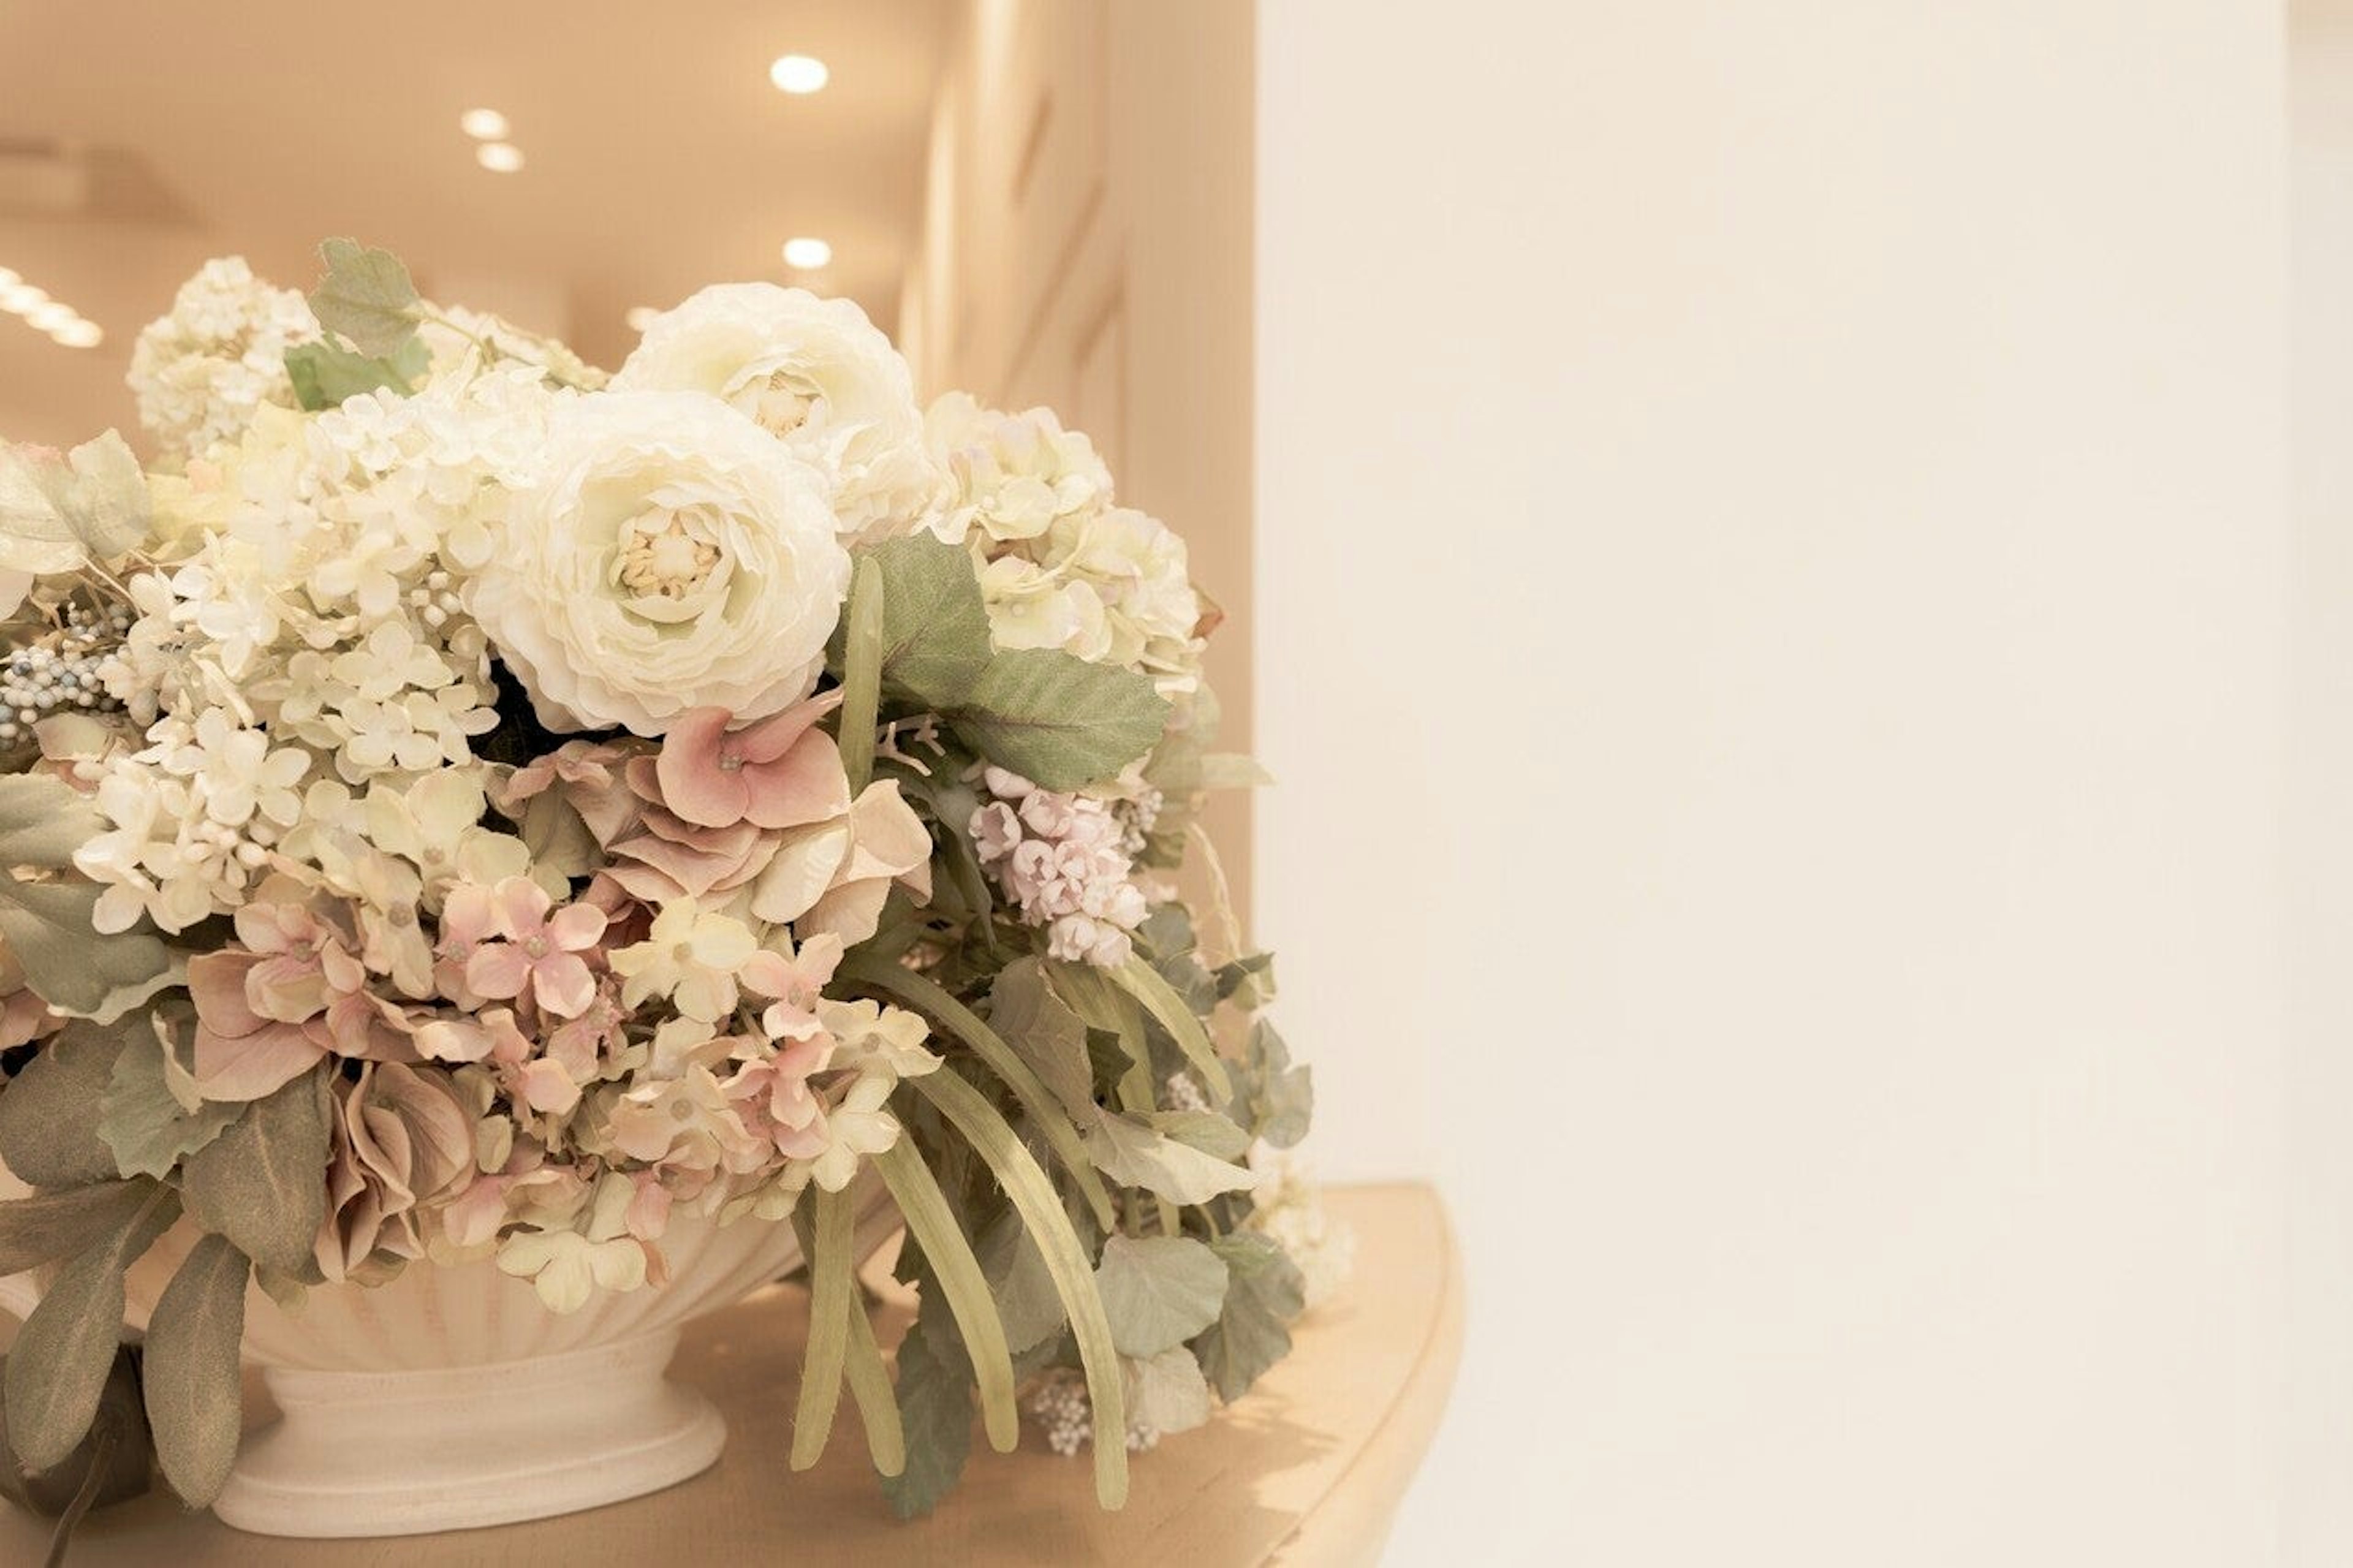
(1792, 563)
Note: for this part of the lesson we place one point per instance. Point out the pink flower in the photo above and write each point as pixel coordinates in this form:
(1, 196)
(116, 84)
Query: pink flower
(775, 1102)
(779, 772)
(240, 1053)
(541, 952)
(795, 982)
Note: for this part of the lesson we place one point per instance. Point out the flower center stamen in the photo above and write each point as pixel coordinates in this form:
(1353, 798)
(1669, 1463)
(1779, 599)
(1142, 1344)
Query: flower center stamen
(662, 557)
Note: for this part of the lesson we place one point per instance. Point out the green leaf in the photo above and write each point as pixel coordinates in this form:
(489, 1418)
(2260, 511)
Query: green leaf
(896, 981)
(878, 1405)
(1023, 1285)
(1044, 1032)
(1058, 720)
(1168, 1392)
(50, 1111)
(935, 1416)
(1158, 1291)
(57, 513)
(263, 1182)
(1171, 1012)
(1282, 1098)
(194, 1392)
(144, 1125)
(1216, 1136)
(1252, 1330)
(47, 1226)
(959, 1276)
(1025, 1183)
(1134, 1154)
(1248, 982)
(43, 820)
(367, 296)
(832, 1292)
(862, 673)
(935, 631)
(328, 375)
(58, 1365)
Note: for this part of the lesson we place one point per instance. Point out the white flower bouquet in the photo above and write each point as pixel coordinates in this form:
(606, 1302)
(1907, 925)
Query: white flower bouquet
(460, 805)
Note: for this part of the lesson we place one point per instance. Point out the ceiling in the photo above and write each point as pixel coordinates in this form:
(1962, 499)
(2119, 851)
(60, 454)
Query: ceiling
(138, 137)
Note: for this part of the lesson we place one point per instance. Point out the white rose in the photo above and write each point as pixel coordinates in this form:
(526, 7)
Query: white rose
(671, 558)
(814, 373)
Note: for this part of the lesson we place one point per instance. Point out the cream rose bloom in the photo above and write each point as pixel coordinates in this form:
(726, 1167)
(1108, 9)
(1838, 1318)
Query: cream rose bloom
(816, 374)
(671, 557)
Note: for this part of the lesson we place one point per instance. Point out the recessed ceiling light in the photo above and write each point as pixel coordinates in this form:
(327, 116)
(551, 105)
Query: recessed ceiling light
(642, 317)
(799, 74)
(806, 254)
(498, 157)
(52, 316)
(81, 334)
(483, 124)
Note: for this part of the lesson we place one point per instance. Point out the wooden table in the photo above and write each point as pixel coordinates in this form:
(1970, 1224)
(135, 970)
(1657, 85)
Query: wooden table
(1305, 1472)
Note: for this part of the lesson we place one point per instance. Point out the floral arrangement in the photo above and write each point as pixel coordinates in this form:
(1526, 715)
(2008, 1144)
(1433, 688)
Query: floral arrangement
(461, 804)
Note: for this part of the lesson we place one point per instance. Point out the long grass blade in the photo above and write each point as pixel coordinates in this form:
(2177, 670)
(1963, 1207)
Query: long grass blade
(959, 1273)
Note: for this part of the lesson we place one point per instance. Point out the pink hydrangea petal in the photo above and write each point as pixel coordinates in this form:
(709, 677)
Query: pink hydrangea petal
(576, 927)
(499, 969)
(251, 1066)
(217, 985)
(523, 906)
(562, 984)
(687, 772)
(804, 785)
(771, 738)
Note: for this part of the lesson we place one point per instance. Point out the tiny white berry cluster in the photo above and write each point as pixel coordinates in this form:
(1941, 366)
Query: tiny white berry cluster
(1058, 1403)
(1182, 1093)
(61, 671)
(1063, 861)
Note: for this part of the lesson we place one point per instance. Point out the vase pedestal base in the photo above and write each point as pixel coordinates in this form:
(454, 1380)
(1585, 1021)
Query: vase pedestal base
(405, 1453)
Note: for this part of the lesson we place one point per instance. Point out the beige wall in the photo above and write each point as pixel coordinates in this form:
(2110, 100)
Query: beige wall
(1087, 245)
(1774, 618)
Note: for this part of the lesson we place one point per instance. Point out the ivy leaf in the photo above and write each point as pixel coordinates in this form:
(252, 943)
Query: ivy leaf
(1026, 1301)
(144, 1124)
(195, 1394)
(1158, 1291)
(1283, 1101)
(1168, 1392)
(1056, 719)
(262, 1183)
(1214, 1135)
(366, 297)
(47, 1226)
(50, 1111)
(58, 1365)
(1134, 1154)
(327, 375)
(1044, 1032)
(934, 626)
(55, 513)
(1248, 982)
(1253, 1328)
(935, 1413)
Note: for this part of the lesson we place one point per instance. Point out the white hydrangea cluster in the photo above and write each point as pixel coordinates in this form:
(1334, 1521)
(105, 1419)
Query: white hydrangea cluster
(320, 605)
(1061, 566)
(1057, 1402)
(201, 371)
(1288, 1205)
(1063, 860)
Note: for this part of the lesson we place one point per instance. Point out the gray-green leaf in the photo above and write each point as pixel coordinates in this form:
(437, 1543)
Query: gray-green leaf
(263, 1182)
(1253, 1331)
(327, 375)
(57, 1366)
(1044, 1032)
(55, 515)
(367, 296)
(1056, 719)
(1158, 1291)
(47, 1226)
(935, 1413)
(1026, 1301)
(43, 820)
(143, 1123)
(1134, 1155)
(1168, 1392)
(934, 626)
(194, 1403)
(50, 1111)
(1215, 1136)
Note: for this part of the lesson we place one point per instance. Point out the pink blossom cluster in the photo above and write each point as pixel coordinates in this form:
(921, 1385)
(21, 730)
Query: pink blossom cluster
(1063, 860)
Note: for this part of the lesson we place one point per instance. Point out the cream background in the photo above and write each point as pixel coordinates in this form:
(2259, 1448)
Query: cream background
(1774, 625)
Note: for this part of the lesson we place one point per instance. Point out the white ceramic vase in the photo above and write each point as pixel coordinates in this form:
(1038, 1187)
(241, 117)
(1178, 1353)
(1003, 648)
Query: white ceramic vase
(450, 1398)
